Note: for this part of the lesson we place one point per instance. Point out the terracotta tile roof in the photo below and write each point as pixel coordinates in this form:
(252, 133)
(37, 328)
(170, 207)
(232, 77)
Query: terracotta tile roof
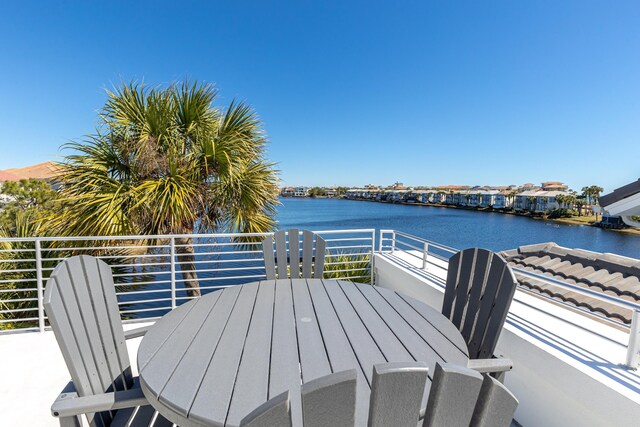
(45, 170)
(602, 272)
(6, 176)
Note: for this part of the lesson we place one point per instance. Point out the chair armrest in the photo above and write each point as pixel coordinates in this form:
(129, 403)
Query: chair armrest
(135, 333)
(499, 364)
(69, 404)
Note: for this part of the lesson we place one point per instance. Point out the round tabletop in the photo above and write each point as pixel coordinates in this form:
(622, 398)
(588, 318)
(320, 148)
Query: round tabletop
(213, 360)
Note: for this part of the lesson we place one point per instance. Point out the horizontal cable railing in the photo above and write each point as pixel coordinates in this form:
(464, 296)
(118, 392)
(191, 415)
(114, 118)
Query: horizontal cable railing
(432, 254)
(154, 274)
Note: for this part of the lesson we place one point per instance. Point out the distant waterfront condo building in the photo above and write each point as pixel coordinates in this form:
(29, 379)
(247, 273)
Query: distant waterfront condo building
(295, 192)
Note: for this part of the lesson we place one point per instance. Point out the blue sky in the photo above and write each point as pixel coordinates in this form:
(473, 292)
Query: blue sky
(425, 92)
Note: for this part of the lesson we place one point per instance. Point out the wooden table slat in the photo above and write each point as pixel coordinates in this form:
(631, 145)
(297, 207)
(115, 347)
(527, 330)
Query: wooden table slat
(252, 383)
(439, 343)
(285, 365)
(162, 364)
(339, 350)
(415, 344)
(314, 362)
(214, 395)
(185, 380)
(441, 323)
(386, 340)
(155, 337)
(364, 346)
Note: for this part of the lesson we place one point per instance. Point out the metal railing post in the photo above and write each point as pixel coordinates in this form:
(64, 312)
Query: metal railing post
(393, 241)
(425, 250)
(172, 250)
(372, 259)
(39, 286)
(634, 341)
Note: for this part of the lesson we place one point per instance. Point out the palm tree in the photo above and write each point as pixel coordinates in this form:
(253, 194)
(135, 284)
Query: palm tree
(428, 195)
(532, 203)
(592, 193)
(164, 160)
(511, 196)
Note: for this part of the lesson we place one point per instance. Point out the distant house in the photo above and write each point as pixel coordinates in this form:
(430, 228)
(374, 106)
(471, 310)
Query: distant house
(537, 200)
(528, 187)
(456, 197)
(395, 195)
(489, 198)
(295, 192)
(331, 192)
(287, 191)
(503, 200)
(472, 198)
(423, 196)
(554, 186)
(438, 197)
(301, 192)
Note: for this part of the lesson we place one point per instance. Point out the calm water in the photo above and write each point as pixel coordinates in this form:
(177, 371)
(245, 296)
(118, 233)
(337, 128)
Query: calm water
(453, 227)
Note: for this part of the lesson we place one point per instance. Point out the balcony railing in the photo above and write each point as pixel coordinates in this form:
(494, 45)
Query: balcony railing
(149, 270)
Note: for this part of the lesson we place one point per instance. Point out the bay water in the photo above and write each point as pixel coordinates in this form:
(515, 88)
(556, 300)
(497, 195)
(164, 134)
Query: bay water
(457, 228)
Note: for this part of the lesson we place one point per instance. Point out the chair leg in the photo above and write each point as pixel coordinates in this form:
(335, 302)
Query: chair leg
(70, 421)
(500, 376)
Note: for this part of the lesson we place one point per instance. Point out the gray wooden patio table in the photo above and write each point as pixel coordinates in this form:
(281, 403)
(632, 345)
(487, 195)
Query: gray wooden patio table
(213, 360)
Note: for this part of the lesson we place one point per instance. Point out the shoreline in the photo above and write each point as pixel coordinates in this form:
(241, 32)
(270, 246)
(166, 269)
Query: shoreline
(565, 221)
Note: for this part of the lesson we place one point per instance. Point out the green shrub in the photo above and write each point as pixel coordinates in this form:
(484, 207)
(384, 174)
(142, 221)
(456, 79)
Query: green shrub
(359, 266)
(561, 213)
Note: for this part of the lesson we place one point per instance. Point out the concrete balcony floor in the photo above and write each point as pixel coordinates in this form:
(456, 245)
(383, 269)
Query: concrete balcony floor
(34, 373)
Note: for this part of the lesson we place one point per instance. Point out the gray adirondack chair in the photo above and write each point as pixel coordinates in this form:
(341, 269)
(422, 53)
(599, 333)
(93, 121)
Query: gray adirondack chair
(480, 288)
(458, 396)
(462, 396)
(82, 307)
(276, 264)
(276, 412)
(326, 401)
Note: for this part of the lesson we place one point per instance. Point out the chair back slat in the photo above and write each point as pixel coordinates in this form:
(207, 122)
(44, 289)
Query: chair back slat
(318, 265)
(396, 394)
(463, 285)
(496, 314)
(330, 400)
(276, 412)
(482, 261)
(458, 396)
(307, 253)
(82, 308)
(286, 260)
(294, 252)
(479, 290)
(452, 397)
(269, 258)
(496, 405)
(281, 253)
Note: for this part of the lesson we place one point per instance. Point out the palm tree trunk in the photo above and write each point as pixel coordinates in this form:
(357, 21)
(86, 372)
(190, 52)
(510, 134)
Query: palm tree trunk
(186, 258)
